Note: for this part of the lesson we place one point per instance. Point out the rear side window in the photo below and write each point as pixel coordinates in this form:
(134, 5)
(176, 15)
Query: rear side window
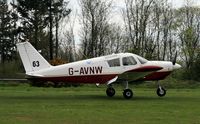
(114, 62)
(142, 60)
(129, 61)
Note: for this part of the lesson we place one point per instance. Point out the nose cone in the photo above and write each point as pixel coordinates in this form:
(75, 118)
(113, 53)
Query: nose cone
(176, 66)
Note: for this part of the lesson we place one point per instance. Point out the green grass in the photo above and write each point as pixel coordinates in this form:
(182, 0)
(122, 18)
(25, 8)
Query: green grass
(89, 105)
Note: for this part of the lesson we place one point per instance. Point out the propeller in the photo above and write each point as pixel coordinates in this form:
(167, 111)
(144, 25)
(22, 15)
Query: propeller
(174, 61)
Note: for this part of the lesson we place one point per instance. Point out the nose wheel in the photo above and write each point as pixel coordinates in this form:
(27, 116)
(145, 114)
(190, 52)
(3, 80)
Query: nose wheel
(161, 91)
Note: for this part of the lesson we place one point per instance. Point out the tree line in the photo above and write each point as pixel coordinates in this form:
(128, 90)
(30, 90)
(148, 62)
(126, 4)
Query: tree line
(150, 28)
(33, 21)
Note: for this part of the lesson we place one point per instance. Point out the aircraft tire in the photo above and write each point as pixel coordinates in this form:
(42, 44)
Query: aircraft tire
(161, 92)
(110, 92)
(128, 93)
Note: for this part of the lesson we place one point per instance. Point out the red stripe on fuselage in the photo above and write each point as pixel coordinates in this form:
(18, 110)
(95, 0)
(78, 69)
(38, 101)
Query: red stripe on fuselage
(157, 76)
(77, 79)
(146, 69)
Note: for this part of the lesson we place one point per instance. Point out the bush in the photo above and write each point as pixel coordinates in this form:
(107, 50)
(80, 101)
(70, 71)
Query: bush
(57, 62)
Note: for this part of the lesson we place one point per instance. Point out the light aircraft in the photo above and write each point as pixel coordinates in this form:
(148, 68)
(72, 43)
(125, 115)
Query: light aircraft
(124, 67)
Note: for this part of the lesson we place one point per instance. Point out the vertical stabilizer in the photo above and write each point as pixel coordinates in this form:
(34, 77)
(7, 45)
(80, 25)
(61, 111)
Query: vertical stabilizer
(31, 58)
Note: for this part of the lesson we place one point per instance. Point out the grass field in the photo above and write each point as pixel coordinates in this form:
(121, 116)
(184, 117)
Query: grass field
(90, 105)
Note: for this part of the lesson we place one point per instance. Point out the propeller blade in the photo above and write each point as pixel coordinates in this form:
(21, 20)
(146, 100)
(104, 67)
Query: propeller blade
(174, 61)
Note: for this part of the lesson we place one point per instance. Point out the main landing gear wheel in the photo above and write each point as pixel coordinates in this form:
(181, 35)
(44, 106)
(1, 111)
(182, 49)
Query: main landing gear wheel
(110, 91)
(161, 91)
(128, 93)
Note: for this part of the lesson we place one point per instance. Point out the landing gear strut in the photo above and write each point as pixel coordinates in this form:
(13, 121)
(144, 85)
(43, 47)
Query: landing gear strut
(127, 92)
(161, 91)
(110, 91)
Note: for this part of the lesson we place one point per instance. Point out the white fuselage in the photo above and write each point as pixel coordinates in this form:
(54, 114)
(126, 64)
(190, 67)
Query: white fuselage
(98, 70)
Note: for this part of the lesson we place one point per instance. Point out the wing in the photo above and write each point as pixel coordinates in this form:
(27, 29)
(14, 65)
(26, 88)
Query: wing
(138, 73)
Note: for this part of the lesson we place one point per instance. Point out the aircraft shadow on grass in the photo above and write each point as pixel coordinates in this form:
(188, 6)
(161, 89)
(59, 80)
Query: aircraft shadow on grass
(94, 98)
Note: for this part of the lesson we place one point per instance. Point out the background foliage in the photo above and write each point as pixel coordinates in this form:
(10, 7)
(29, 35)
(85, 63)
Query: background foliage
(152, 29)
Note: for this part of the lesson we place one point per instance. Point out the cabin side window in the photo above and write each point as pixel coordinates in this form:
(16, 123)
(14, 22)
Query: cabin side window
(114, 62)
(129, 61)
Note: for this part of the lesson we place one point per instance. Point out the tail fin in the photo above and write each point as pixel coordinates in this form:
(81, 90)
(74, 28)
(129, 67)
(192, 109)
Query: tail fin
(31, 58)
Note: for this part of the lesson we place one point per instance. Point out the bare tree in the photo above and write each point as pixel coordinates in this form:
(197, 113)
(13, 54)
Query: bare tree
(189, 33)
(95, 26)
(164, 19)
(116, 40)
(68, 44)
(149, 27)
(137, 17)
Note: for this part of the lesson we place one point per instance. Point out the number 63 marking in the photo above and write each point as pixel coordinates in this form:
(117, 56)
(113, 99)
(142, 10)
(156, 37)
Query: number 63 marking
(36, 63)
